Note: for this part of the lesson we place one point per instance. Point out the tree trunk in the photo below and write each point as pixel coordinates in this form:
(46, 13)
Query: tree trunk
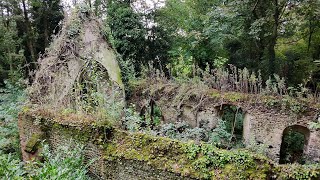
(46, 31)
(273, 39)
(310, 34)
(28, 32)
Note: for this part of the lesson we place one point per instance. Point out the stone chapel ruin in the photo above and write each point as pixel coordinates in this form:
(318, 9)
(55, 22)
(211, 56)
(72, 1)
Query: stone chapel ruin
(80, 71)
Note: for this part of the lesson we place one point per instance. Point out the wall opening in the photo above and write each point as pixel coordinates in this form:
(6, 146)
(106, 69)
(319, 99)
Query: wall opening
(232, 119)
(151, 115)
(294, 144)
(155, 114)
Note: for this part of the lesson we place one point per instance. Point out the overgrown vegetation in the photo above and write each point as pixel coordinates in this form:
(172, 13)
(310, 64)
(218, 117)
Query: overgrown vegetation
(202, 160)
(292, 147)
(188, 159)
(66, 163)
(227, 134)
(234, 49)
(12, 99)
(75, 77)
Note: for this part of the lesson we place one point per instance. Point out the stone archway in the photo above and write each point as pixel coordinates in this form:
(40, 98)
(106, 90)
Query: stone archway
(151, 114)
(234, 118)
(294, 144)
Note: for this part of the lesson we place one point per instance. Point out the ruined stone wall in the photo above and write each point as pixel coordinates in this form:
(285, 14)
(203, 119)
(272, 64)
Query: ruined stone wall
(58, 133)
(264, 122)
(119, 154)
(267, 127)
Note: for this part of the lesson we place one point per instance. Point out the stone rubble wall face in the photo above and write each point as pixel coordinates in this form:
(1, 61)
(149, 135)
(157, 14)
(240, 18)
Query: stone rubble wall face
(260, 124)
(99, 169)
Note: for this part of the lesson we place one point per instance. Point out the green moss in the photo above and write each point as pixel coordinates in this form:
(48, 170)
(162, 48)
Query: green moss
(26, 109)
(230, 96)
(297, 171)
(215, 94)
(187, 159)
(81, 134)
(200, 161)
(33, 143)
(285, 103)
(234, 96)
(232, 171)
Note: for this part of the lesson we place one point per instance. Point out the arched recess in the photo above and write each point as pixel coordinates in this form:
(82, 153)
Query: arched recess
(294, 144)
(155, 114)
(151, 114)
(233, 119)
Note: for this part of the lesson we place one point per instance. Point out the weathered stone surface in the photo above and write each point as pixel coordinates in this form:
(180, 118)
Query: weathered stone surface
(33, 143)
(265, 117)
(122, 155)
(208, 116)
(27, 128)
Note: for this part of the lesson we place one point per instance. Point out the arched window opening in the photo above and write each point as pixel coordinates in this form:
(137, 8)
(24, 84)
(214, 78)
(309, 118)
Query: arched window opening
(294, 143)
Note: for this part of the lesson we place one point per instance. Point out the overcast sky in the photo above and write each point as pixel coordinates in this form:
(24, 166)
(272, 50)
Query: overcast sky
(139, 5)
(148, 4)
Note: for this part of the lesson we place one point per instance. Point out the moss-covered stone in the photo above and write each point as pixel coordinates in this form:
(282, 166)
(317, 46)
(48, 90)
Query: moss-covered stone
(187, 160)
(33, 143)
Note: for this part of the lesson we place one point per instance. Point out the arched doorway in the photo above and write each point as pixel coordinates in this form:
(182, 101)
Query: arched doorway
(231, 121)
(151, 115)
(294, 144)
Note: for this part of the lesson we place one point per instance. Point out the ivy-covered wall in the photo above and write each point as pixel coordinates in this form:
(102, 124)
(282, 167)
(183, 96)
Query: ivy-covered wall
(119, 154)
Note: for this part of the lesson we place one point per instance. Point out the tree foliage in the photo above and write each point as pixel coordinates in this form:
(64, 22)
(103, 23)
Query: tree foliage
(25, 31)
(136, 39)
(277, 36)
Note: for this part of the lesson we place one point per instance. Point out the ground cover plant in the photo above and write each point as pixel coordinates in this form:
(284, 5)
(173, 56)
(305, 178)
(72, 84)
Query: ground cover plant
(237, 49)
(66, 163)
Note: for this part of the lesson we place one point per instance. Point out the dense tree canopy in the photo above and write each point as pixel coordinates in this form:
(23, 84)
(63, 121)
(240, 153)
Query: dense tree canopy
(277, 37)
(26, 31)
(274, 36)
(186, 51)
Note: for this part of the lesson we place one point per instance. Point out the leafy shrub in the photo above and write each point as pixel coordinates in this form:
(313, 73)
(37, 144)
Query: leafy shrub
(168, 130)
(66, 163)
(132, 119)
(314, 125)
(220, 136)
(11, 100)
(10, 167)
(197, 134)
